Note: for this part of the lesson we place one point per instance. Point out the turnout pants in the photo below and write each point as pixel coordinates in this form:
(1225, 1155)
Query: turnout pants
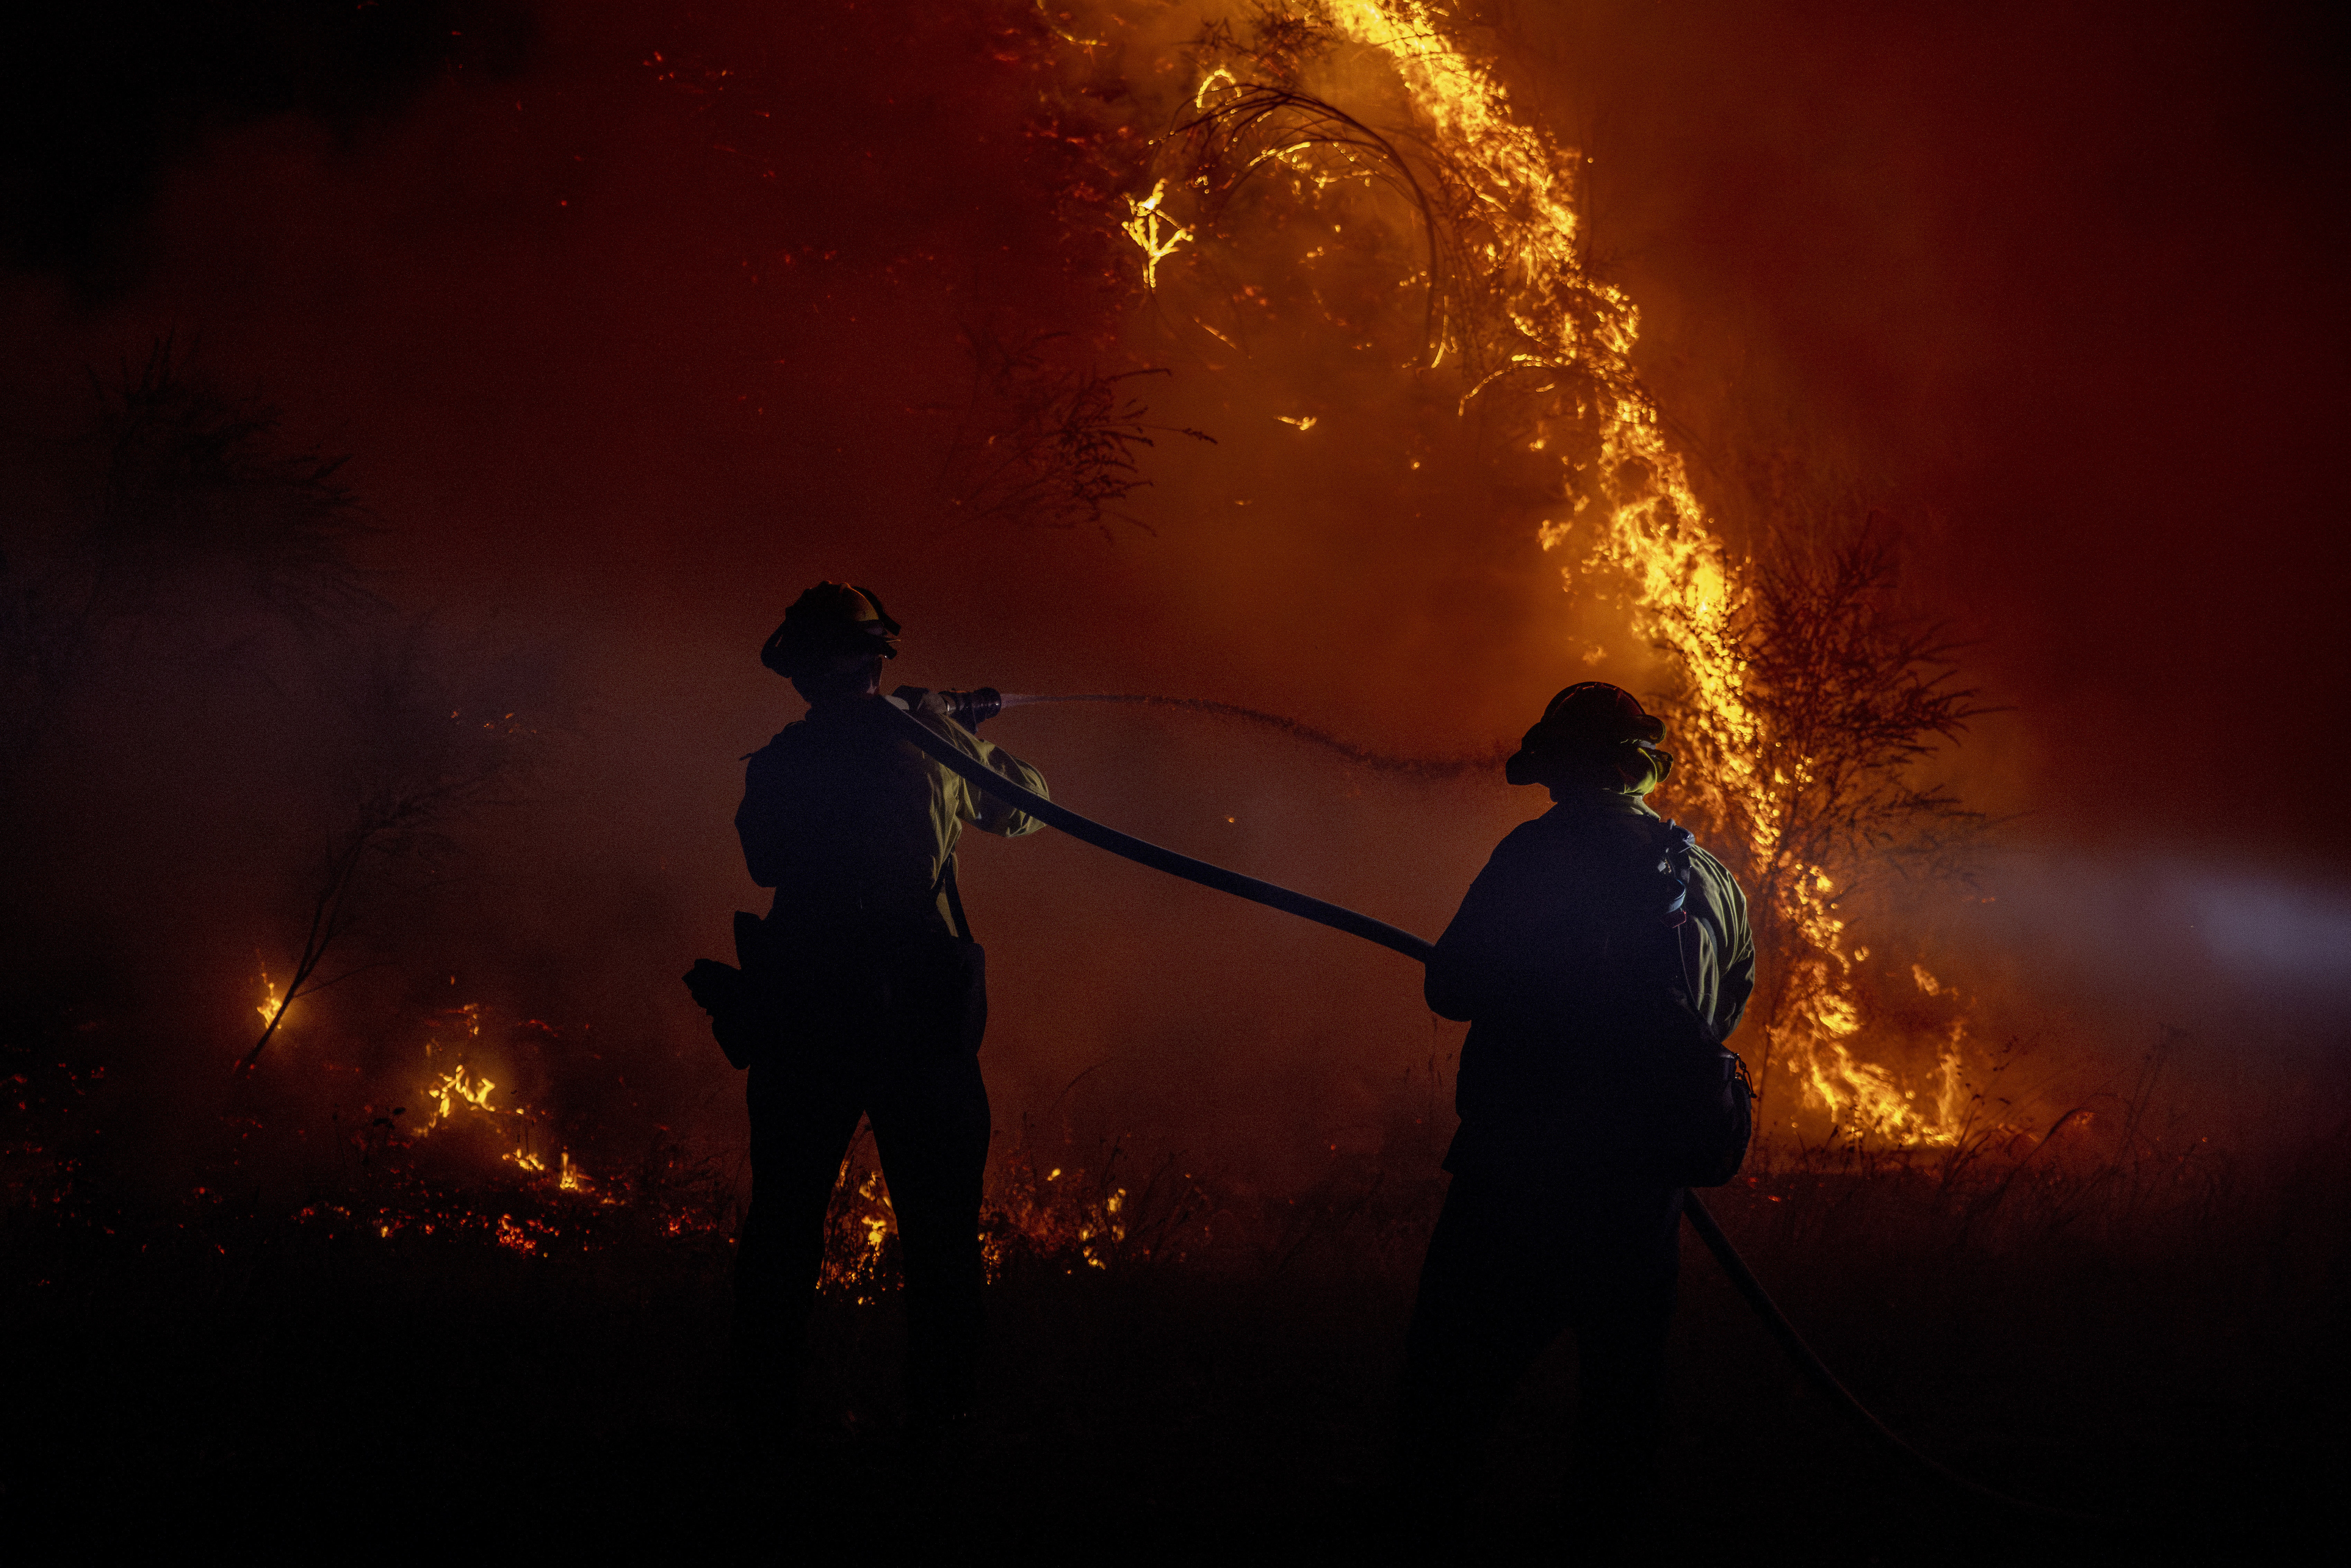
(1514, 1262)
(929, 1112)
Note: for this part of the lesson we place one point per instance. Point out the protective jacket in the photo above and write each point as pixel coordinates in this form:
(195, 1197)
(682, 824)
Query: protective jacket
(1576, 988)
(853, 827)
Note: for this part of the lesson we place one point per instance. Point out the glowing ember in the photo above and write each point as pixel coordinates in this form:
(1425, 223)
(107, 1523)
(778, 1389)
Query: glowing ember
(856, 1259)
(271, 1004)
(454, 1088)
(1152, 229)
(1071, 1221)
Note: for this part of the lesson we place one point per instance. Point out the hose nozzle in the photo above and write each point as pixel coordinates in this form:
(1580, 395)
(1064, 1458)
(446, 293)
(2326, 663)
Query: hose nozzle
(975, 708)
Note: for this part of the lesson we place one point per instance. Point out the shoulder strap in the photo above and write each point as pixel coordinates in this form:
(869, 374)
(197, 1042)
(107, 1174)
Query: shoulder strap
(1675, 841)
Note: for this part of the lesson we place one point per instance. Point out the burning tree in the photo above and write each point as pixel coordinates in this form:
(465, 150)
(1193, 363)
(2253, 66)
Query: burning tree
(1804, 701)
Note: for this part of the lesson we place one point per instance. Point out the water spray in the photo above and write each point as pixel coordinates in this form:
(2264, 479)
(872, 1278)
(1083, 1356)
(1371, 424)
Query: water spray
(1807, 1362)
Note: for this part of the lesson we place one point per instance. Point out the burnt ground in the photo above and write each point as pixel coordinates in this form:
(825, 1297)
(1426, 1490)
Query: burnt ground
(2165, 1351)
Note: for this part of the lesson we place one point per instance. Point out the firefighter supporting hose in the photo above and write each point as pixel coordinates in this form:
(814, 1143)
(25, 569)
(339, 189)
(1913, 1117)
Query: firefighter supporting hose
(861, 994)
(1600, 959)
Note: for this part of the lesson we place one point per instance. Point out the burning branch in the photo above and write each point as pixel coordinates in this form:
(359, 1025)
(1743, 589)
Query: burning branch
(382, 822)
(1852, 695)
(1848, 698)
(1245, 126)
(412, 762)
(1800, 747)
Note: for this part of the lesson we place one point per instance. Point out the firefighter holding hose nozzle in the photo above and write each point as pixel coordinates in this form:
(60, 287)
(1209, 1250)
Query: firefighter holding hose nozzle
(861, 994)
(1600, 958)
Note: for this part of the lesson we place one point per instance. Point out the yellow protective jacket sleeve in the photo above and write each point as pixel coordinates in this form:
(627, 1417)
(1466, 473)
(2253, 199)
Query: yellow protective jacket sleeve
(850, 824)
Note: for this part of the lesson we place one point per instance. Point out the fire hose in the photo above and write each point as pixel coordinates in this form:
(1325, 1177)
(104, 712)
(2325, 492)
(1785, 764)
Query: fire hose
(1806, 1361)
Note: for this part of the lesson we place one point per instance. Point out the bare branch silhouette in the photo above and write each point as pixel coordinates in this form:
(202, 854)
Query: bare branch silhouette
(1045, 444)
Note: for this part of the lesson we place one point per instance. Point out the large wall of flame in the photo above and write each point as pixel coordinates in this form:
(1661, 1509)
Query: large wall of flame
(637, 334)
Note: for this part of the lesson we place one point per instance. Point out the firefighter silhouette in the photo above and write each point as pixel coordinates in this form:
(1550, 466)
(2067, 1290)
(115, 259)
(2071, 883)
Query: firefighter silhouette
(867, 998)
(1558, 1219)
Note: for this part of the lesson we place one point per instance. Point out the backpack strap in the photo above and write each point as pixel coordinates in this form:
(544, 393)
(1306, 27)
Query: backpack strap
(1678, 841)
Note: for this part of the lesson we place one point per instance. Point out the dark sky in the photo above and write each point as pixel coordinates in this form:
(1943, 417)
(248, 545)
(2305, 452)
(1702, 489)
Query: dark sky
(636, 320)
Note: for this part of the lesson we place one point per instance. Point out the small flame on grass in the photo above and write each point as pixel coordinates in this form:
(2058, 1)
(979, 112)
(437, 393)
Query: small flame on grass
(454, 1088)
(271, 1003)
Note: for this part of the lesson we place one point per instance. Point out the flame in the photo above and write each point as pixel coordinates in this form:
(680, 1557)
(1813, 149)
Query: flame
(1074, 1222)
(454, 1088)
(458, 1091)
(271, 1004)
(856, 1260)
(1152, 229)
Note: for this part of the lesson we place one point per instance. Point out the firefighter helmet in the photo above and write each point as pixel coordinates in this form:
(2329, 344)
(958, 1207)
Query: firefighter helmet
(1581, 726)
(831, 627)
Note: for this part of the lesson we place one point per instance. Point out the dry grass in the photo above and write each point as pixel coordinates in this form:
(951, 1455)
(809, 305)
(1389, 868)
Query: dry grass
(2116, 1316)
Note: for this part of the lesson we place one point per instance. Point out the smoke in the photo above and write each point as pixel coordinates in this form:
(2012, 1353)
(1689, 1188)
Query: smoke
(104, 99)
(2163, 939)
(2299, 936)
(676, 310)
